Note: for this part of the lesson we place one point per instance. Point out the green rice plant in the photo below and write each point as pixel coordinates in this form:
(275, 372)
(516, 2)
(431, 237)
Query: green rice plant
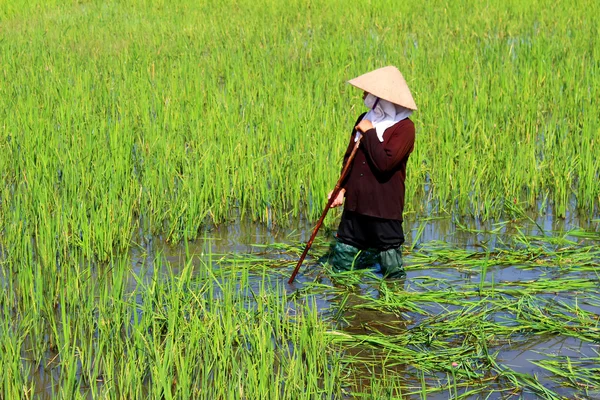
(580, 374)
(225, 323)
(125, 122)
(112, 128)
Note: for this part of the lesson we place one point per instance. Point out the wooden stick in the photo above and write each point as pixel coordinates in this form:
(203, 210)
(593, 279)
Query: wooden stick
(333, 196)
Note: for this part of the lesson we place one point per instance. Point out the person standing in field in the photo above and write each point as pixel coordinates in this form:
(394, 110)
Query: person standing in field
(373, 191)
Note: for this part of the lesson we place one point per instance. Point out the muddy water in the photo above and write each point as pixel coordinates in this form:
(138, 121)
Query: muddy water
(252, 239)
(466, 234)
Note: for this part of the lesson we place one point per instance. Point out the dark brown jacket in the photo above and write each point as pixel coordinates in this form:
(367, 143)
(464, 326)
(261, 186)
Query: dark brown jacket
(375, 184)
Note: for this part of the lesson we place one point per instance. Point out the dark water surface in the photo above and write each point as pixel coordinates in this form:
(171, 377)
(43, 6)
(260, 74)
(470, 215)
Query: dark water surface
(467, 234)
(274, 244)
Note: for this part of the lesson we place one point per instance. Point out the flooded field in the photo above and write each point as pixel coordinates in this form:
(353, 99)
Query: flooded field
(487, 310)
(162, 164)
(511, 308)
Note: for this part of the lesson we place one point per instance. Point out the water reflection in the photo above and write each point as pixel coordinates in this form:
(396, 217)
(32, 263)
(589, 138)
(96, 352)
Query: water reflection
(348, 304)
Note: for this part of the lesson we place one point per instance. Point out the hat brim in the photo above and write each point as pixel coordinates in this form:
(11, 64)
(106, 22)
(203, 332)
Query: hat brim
(386, 83)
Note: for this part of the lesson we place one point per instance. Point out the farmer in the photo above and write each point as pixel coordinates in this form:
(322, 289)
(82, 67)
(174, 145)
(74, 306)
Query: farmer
(374, 188)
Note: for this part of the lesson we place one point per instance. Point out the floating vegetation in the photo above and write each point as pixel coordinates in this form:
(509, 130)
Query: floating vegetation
(463, 324)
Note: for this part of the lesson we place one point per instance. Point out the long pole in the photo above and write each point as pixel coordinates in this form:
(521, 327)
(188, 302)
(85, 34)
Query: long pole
(334, 194)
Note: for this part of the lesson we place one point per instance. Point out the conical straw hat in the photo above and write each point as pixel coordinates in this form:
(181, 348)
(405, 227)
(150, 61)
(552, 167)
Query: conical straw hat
(388, 84)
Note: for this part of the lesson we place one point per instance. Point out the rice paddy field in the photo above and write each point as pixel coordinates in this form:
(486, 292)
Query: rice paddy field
(162, 165)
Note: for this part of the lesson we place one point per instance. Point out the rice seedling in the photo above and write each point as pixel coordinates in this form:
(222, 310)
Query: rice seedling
(113, 128)
(226, 324)
(128, 125)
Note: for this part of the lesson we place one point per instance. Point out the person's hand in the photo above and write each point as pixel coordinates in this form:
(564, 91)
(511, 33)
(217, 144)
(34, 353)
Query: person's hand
(339, 200)
(364, 126)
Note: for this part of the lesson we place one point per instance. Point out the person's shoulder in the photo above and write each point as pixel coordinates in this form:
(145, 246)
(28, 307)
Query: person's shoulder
(404, 129)
(405, 125)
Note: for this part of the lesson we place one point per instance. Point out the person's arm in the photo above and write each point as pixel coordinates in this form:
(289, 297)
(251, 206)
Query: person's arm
(387, 155)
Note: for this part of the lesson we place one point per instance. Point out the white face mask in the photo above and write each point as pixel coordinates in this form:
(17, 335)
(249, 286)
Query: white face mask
(370, 101)
(383, 114)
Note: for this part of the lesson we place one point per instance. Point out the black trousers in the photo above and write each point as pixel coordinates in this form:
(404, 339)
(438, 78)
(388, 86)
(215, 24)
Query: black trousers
(365, 232)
